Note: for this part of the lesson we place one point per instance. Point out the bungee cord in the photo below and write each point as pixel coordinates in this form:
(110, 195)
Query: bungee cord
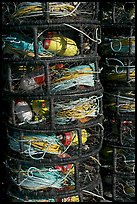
(37, 144)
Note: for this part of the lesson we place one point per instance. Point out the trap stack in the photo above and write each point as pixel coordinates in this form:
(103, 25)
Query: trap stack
(52, 95)
(117, 52)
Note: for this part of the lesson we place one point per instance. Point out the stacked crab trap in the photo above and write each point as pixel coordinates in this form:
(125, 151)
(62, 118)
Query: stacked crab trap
(53, 98)
(117, 50)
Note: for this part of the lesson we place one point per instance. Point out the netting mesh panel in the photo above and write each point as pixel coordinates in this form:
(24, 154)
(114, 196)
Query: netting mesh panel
(120, 132)
(117, 12)
(124, 189)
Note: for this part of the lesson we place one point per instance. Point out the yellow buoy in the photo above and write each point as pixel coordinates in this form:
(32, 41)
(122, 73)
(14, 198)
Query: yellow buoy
(40, 107)
(60, 45)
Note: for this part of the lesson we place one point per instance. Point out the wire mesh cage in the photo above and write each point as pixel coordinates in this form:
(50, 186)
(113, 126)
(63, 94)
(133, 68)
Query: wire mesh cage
(125, 160)
(50, 41)
(45, 78)
(124, 189)
(39, 145)
(118, 188)
(118, 172)
(118, 70)
(50, 12)
(117, 12)
(117, 41)
(120, 101)
(46, 113)
(87, 195)
(53, 180)
(119, 132)
(118, 159)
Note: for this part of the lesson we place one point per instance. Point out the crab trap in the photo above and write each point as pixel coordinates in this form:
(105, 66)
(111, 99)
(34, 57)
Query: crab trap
(119, 132)
(50, 41)
(117, 41)
(51, 77)
(117, 12)
(58, 112)
(49, 12)
(53, 181)
(124, 189)
(118, 172)
(86, 196)
(41, 145)
(120, 101)
(118, 159)
(118, 70)
(118, 188)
